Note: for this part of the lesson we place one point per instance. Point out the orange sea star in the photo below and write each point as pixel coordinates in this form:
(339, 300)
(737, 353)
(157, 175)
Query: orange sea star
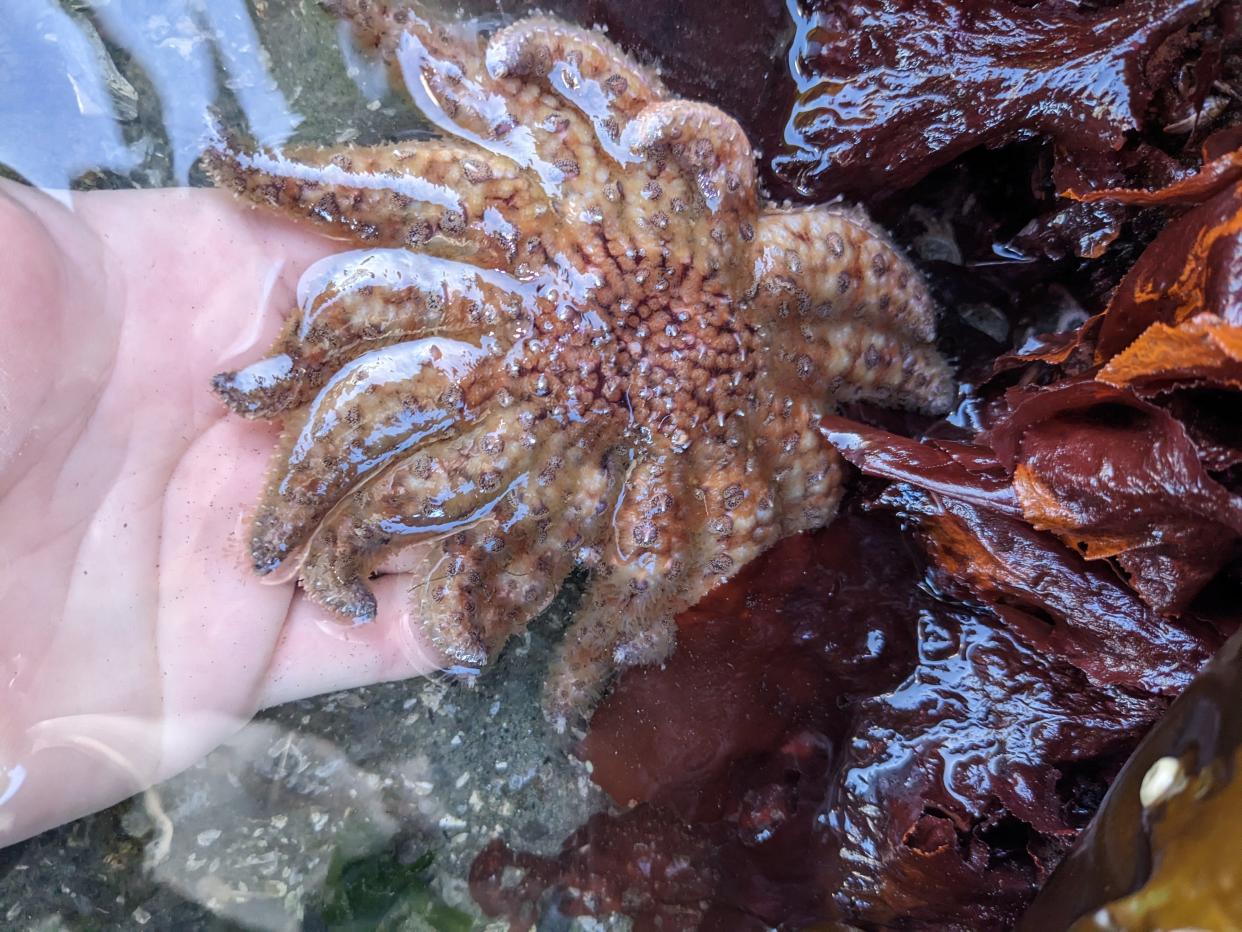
(574, 336)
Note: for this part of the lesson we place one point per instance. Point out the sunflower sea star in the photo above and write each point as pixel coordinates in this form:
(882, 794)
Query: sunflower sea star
(573, 337)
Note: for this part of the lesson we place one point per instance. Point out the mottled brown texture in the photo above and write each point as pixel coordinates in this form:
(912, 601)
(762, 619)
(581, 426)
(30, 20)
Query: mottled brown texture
(604, 352)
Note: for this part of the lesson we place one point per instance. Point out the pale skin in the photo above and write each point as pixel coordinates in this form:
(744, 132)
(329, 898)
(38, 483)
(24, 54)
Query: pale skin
(134, 638)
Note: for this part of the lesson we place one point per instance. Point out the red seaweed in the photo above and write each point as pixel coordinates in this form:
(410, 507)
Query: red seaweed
(905, 720)
(959, 791)
(1220, 169)
(888, 92)
(1049, 593)
(1203, 350)
(834, 740)
(1054, 599)
(1194, 265)
(1117, 478)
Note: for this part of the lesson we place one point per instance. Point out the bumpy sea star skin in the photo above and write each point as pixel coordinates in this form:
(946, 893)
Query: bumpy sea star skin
(573, 338)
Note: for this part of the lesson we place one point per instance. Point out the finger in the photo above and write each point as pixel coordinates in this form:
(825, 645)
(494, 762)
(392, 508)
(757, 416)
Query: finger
(319, 653)
(219, 623)
(211, 627)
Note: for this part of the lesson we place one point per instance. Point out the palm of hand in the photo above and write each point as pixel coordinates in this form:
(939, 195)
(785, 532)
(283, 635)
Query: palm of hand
(133, 633)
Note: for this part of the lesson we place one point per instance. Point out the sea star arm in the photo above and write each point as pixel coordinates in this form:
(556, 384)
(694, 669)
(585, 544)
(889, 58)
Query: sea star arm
(740, 518)
(805, 474)
(456, 201)
(581, 66)
(710, 148)
(354, 302)
(499, 98)
(625, 619)
(700, 196)
(626, 616)
(444, 73)
(376, 409)
(507, 509)
(443, 490)
(574, 61)
(847, 310)
(493, 578)
(380, 25)
(684, 526)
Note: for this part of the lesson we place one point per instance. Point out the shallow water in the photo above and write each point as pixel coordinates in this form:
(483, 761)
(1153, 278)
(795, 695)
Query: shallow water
(332, 811)
(839, 687)
(118, 94)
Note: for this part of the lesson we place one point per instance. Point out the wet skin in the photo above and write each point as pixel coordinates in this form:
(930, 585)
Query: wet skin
(135, 640)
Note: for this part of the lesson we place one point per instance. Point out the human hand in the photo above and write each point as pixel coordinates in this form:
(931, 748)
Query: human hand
(135, 637)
